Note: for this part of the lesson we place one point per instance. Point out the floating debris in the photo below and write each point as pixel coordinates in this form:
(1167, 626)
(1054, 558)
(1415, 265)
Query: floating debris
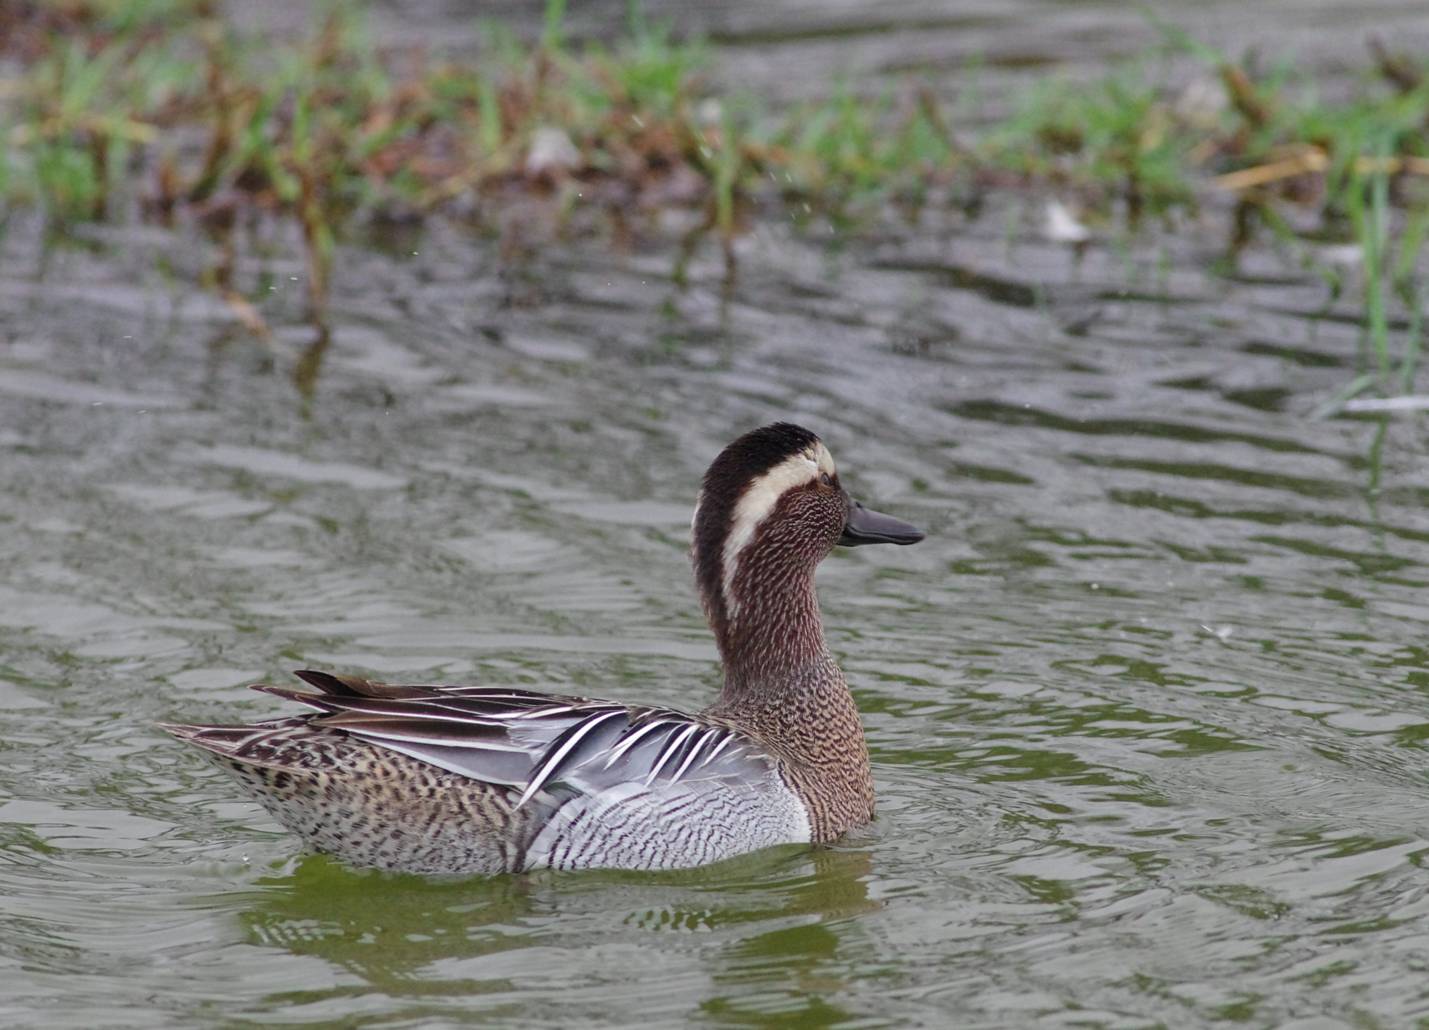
(1061, 226)
(1401, 403)
(552, 153)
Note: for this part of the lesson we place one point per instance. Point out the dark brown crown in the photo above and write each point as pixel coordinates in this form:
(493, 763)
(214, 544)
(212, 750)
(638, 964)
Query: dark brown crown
(729, 476)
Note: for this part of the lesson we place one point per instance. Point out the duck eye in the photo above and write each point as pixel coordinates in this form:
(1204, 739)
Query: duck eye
(826, 479)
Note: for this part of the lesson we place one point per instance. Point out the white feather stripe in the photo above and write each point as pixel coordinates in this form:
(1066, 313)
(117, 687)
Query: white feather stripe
(314, 704)
(630, 741)
(490, 694)
(415, 711)
(549, 766)
(695, 750)
(485, 705)
(536, 713)
(670, 748)
(715, 753)
(416, 737)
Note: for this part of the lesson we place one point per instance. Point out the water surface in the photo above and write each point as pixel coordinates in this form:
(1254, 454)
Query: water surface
(1147, 708)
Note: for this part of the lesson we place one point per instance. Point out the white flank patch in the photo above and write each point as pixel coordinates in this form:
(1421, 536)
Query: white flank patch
(758, 500)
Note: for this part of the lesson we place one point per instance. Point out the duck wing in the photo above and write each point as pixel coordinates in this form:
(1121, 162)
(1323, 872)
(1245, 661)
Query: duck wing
(537, 743)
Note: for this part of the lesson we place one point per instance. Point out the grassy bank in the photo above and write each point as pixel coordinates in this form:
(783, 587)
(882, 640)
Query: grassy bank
(162, 111)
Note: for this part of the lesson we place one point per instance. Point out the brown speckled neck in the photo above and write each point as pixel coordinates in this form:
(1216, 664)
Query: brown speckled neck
(783, 687)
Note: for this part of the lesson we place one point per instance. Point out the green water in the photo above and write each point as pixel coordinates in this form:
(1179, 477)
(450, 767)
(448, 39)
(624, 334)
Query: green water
(1148, 708)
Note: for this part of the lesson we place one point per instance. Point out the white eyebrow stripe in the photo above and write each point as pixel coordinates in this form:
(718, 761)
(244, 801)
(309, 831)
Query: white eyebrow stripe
(758, 501)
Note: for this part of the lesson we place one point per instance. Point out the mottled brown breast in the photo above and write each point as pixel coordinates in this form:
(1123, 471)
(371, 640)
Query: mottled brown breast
(810, 723)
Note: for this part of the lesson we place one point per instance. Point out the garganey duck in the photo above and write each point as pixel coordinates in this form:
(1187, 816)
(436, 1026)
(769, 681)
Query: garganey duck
(453, 779)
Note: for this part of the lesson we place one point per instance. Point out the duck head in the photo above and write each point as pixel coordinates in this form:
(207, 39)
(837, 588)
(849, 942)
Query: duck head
(770, 509)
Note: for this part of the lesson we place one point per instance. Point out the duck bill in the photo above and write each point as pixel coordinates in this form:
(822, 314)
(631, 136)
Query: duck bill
(873, 527)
